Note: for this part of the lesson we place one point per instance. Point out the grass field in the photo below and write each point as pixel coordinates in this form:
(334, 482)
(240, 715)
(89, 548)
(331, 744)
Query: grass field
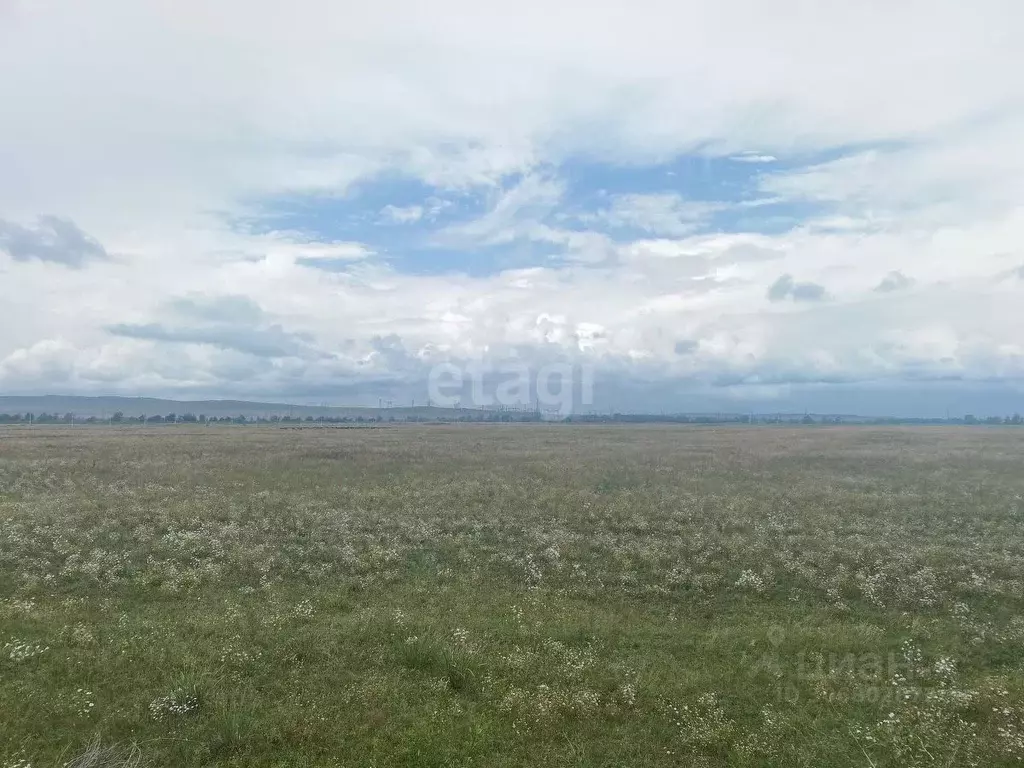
(512, 595)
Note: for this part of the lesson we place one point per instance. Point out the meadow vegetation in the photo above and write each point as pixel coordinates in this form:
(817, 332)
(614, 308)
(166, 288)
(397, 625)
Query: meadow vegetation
(510, 595)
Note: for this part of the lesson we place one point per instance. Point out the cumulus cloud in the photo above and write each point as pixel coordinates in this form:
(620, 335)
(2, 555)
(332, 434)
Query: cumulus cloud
(227, 322)
(894, 281)
(787, 288)
(52, 239)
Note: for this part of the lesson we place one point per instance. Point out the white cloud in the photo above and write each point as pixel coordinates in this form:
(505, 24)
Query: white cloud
(657, 214)
(402, 215)
(953, 175)
(318, 251)
(753, 157)
(515, 213)
(51, 239)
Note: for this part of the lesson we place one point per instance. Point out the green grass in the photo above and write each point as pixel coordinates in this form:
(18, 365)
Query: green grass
(512, 595)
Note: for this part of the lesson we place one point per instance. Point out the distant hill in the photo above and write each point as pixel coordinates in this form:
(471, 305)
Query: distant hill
(102, 407)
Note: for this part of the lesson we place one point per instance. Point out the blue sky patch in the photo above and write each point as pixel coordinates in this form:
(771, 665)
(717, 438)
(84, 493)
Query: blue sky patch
(420, 229)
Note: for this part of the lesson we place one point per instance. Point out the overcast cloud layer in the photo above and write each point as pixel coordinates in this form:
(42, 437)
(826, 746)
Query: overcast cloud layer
(314, 200)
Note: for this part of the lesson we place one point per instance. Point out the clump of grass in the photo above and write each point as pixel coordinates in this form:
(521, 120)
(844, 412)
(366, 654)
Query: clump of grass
(426, 653)
(459, 674)
(420, 652)
(98, 756)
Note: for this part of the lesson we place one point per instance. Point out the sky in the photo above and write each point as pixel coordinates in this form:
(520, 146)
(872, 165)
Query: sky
(729, 205)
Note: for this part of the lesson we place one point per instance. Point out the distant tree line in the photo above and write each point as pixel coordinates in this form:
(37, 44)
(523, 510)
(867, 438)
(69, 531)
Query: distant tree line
(472, 415)
(647, 418)
(1016, 420)
(190, 418)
